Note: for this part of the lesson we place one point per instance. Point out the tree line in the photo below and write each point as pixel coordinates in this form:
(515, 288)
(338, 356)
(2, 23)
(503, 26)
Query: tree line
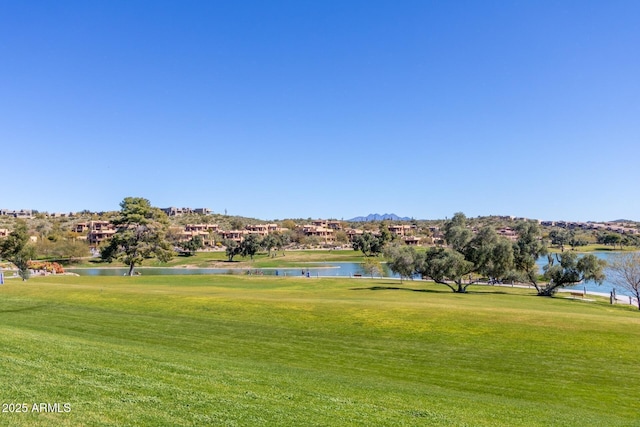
(471, 257)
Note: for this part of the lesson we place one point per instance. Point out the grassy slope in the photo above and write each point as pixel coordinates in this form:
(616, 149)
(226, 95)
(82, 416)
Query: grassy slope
(238, 350)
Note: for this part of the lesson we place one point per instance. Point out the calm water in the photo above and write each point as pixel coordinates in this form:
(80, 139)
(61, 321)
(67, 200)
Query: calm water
(326, 269)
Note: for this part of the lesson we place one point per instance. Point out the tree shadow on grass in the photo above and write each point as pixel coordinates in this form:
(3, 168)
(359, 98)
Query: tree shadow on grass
(395, 287)
(444, 290)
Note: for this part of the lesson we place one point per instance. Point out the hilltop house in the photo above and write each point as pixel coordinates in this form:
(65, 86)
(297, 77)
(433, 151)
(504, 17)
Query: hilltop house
(99, 231)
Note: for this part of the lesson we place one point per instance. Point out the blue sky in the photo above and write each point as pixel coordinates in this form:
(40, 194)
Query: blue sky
(323, 109)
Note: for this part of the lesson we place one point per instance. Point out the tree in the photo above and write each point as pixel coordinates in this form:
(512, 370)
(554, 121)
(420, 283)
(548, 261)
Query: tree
(613, 239)
(401, 260)
(610, 239)
(491, 255)
(631, 240)
(341, 237)
(232, 249)
(526, 251)
(174, 236)
(385, 234)
(270, 241)
(17, 249)
(371, 266)
(559, 237)
(446, 267)
(624, 271)
(192, 245)
(369, 244)
(285, 238)
(310, 241)
(289, 224)
(577, 239)
(140, 234)
(568, 269)
(250, 245)
(469, 255)
(456, 232)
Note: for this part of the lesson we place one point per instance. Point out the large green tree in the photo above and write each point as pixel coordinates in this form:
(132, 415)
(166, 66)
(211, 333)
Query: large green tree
(456, 232)
(577, 239)
(491, 255)
(250, 245)
(569, 269)
(526, 250)
(17, 249)
(468, 257)
(368, 244)
(446, 267)
(141, 234)
(270, 241)
(384, 233)
(191, 246)
(401, 260)
(559, 237)
(232, 248)
(610, 239)
(631, 240)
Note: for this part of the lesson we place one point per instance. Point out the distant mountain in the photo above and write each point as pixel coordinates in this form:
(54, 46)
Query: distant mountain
(378, 217)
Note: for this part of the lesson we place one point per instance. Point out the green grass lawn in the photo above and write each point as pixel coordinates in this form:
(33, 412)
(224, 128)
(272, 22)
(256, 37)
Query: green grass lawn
(246, 351)
(595, 247)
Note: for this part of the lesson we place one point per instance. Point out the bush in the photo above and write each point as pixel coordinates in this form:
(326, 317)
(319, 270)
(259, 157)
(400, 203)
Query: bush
(49, 267)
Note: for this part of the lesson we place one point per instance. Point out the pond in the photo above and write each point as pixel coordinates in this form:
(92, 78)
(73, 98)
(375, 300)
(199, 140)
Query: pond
(320, 269)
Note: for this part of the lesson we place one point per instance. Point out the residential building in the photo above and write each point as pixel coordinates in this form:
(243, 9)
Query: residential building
(173, 211)
(99, 231)
(401, 230)
(207, 228)
(80, 227)
(235, 235)
(324, 233)
(412, 240)
(259, 229)
(205, 231)
(22, 213)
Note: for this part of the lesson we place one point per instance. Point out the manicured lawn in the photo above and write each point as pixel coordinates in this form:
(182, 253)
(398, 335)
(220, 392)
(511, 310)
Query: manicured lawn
(245, 351)
(596, 247)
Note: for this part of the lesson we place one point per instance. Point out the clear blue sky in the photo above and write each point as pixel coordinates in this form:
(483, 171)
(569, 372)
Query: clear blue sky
(323, 109)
